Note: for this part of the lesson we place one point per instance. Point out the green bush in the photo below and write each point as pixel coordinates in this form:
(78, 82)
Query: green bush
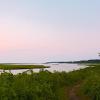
(91, 86)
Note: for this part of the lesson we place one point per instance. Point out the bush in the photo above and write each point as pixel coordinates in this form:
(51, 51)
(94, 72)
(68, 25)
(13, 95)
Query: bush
(91, 86)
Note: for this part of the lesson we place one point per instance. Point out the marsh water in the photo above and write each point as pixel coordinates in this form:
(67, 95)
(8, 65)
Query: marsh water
(53, 67)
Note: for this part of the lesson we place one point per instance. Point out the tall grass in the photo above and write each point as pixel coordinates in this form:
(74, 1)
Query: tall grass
(91, 85)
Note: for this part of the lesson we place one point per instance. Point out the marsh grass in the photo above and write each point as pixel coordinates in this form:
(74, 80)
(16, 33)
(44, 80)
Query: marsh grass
(11, 66)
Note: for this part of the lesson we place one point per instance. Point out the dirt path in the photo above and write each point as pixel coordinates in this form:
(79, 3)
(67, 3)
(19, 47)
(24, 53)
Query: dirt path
(72, 93)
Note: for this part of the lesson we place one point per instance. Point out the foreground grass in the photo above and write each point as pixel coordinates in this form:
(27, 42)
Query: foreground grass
(51, 86)
(10, 66)
(91, 85)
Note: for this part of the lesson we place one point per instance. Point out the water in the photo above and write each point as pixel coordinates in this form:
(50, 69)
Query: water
(53, 67)
(64, 67)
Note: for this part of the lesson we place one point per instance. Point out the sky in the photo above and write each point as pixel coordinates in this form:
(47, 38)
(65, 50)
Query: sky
(49, 30)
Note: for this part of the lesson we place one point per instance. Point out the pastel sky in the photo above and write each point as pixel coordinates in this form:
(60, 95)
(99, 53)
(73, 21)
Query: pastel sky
(49, 30)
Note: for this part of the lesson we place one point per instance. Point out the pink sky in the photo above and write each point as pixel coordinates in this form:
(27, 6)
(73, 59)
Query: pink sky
(39, 32)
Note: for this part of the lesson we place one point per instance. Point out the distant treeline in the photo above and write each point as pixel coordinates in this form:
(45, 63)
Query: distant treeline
(80, 61)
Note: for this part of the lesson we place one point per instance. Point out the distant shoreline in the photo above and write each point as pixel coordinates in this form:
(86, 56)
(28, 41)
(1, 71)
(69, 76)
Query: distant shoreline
(80, 61)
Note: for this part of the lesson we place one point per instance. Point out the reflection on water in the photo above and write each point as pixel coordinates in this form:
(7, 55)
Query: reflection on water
(53, 67)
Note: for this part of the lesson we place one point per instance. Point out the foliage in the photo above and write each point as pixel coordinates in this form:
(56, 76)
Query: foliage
(49, 86)
(36, 86)
(91, 85)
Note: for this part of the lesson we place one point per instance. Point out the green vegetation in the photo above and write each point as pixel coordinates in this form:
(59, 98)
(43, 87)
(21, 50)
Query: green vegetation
(37, 86)
(11, 66)
(91, 85)
(51, 86)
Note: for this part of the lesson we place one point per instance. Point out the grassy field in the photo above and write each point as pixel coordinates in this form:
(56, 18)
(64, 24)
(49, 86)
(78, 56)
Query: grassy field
(83, 84)
(11, 66)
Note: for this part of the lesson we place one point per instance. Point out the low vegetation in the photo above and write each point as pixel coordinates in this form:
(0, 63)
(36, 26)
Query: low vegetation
(50, 86)
(11, 66)
(91, 85)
